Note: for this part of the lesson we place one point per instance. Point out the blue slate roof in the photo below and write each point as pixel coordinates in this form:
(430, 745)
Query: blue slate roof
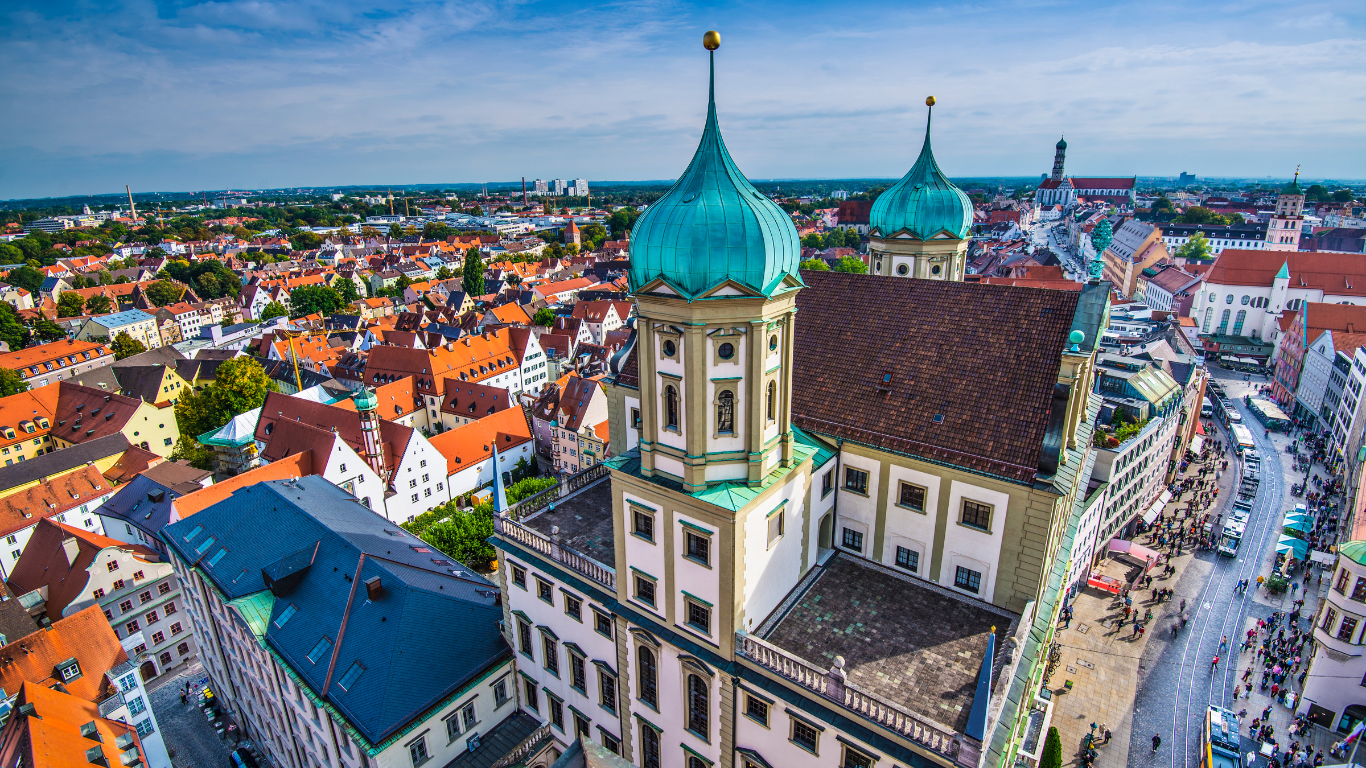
(430, 628)
(143, 502)
(126, 317)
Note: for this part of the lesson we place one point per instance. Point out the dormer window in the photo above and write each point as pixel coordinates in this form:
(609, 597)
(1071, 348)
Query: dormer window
(69, 670)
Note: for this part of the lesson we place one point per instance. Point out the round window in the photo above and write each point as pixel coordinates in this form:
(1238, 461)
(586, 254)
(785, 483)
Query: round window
(670, 348)
(1228, 299)
(902, 269)
(935, 269)
(773, 343)
(1246, 299)
(726, 351)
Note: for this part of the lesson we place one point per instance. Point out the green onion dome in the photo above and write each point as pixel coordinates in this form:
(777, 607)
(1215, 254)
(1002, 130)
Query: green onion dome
(713, 226)
(923, 204)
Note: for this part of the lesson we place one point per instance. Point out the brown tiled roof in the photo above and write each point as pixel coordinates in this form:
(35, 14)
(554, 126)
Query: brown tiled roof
(473, 401)
(1341, 274)
(982, 357)
(326, 418)
(54, 495)
(45, 564)
(87, 413)
(855, 211)
(54, 738)
(1334, 317)
(85, 636)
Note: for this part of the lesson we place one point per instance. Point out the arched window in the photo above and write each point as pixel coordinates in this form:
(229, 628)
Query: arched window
(1238, 322)
(698, 715)
(649, 747)
(1209, 316)
(649, 675)
(772, 401)
(1223, 322)
(725, 412)
(671, 406)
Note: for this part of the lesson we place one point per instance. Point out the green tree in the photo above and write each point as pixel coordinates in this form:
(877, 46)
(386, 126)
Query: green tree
(592, 236)
(622, 220)
(346, 289)
(70, 304)
(306, 241)
(189, 450)
(12, 332)
(163, 292)
(1195, 249)
(435, 230)
(1052, 750)
(25, 277)
(544, 317)
(314, 298)
(45, 330)
(240, 385)
(1200, 215)
(1317, 193)
(813, 240)
(815, 265)
(395, 231)
(10, 254)
(126, 346)
(443, 272)
(11, 383)
(464, 536)
(98, 304)
(1343, 196)
(274, 309)
(852, 265)
(1162, 205)
(473, 273)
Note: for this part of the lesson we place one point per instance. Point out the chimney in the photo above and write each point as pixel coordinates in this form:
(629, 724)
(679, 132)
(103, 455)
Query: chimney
(373, 588)
(71, 546)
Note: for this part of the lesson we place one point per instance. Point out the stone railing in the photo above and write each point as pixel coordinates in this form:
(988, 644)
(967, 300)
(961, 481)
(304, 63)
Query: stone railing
(550, 547)
(576, 482)
(528, 745)
(833, 685)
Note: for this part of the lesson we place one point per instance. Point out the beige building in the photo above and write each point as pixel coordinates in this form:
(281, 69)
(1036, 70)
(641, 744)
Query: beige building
(137, 324)
(86, 413)
(47, 363)
(1137, 245)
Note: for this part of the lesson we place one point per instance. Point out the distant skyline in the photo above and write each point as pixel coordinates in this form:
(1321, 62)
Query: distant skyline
(185, 95)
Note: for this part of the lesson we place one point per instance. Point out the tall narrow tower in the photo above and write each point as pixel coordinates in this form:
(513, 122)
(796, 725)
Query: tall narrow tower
(1283, 231)
(1058, 158)
(372, 446)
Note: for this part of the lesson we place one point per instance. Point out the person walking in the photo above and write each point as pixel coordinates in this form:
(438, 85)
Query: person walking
(1157, 742)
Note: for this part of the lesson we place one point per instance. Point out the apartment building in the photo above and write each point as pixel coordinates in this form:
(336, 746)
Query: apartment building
(47, 363)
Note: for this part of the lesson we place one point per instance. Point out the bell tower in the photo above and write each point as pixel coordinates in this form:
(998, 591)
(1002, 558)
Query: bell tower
(1058, 158)
(1283, 230)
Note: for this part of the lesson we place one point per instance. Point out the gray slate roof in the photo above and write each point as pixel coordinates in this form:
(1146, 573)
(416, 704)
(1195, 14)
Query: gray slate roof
(430, 630)
(66, 459)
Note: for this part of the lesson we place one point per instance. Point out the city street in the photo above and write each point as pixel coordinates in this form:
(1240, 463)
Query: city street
(1177, 682)
(191, 739)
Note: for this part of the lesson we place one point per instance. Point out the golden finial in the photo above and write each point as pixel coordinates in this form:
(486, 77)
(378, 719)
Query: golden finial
(929, 101)
(712, 40)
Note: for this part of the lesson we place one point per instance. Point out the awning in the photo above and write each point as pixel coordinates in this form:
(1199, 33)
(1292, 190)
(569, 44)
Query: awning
(1297, 525)
(1197, 444)
(1322, 557)
(1298, 548)
(1157, 506)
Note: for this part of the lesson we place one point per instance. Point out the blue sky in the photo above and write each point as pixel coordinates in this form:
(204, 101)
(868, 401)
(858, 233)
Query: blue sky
(185, 95)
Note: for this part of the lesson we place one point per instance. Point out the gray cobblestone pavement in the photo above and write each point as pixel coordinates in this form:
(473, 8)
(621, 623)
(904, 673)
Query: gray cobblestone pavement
(190, 738)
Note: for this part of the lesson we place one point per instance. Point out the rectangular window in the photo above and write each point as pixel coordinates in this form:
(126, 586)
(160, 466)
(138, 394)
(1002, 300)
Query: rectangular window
(644, 524)
(581, 726)
(699, 616)
(131, 627)
(603, 624)
(908, 559)
(756, 710)
(1341, 586)
(545, 591)
(1359, 591)
(163, 588)
(968, 579)
(524, 637)
(126, 606)
(645, 590)
(529, 688)
(519, 576)
(827, 483)
(805, 736)
(556, 713)
(977, 515)
(855, 759)
(699, 547)
(912, 497)
(607, 687)
(776, 524)
(578, 674)
(418, 751)
(136, 706)
(1348, 629)
(551, 662)
(320, 650)
(856, 480)
(452, 728)
(500, 693)
(853, 540)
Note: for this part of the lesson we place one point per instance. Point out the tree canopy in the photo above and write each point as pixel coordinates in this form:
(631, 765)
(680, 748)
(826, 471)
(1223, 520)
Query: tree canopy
(544, 316)
(11, 383)
(126, 346)
(273, 310)
(1195, 249)
(12, 332)
(98, 304)
(239, 385)
(314, 298)
(815, 265)
(164, 292)
(210, 278)
(25, 277)
(852, 265)
(70, 304)
(473, 273)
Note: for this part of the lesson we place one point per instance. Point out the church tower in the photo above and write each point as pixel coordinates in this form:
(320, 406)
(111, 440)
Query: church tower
(1058, 159)
(1283, 231)
(920, 226)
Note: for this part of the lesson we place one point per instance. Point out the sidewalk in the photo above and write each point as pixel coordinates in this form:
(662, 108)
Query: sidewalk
(1105, 660)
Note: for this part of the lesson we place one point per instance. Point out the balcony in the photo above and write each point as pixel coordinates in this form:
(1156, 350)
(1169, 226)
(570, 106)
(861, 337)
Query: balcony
(569, 523)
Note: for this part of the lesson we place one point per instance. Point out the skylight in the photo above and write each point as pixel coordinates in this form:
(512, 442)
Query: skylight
(320, 650)
(352, 675)
(190, 536)
(285, 615)
(204, 546)
(217, 556)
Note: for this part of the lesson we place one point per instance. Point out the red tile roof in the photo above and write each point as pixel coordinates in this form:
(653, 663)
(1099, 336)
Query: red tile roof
(53, 496)
(44, 563)
(54, 739)
(86, 413)
(1339, 274)
(472, 443)
(85, 636)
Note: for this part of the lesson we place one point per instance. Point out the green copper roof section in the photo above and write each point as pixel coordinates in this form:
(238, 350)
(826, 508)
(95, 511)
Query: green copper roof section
(365, 400)
(255, 610)
(713, 226)
(1284, 274)
(923, 203)
(1293, 188)
(1062, 144)
(1354, 550)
